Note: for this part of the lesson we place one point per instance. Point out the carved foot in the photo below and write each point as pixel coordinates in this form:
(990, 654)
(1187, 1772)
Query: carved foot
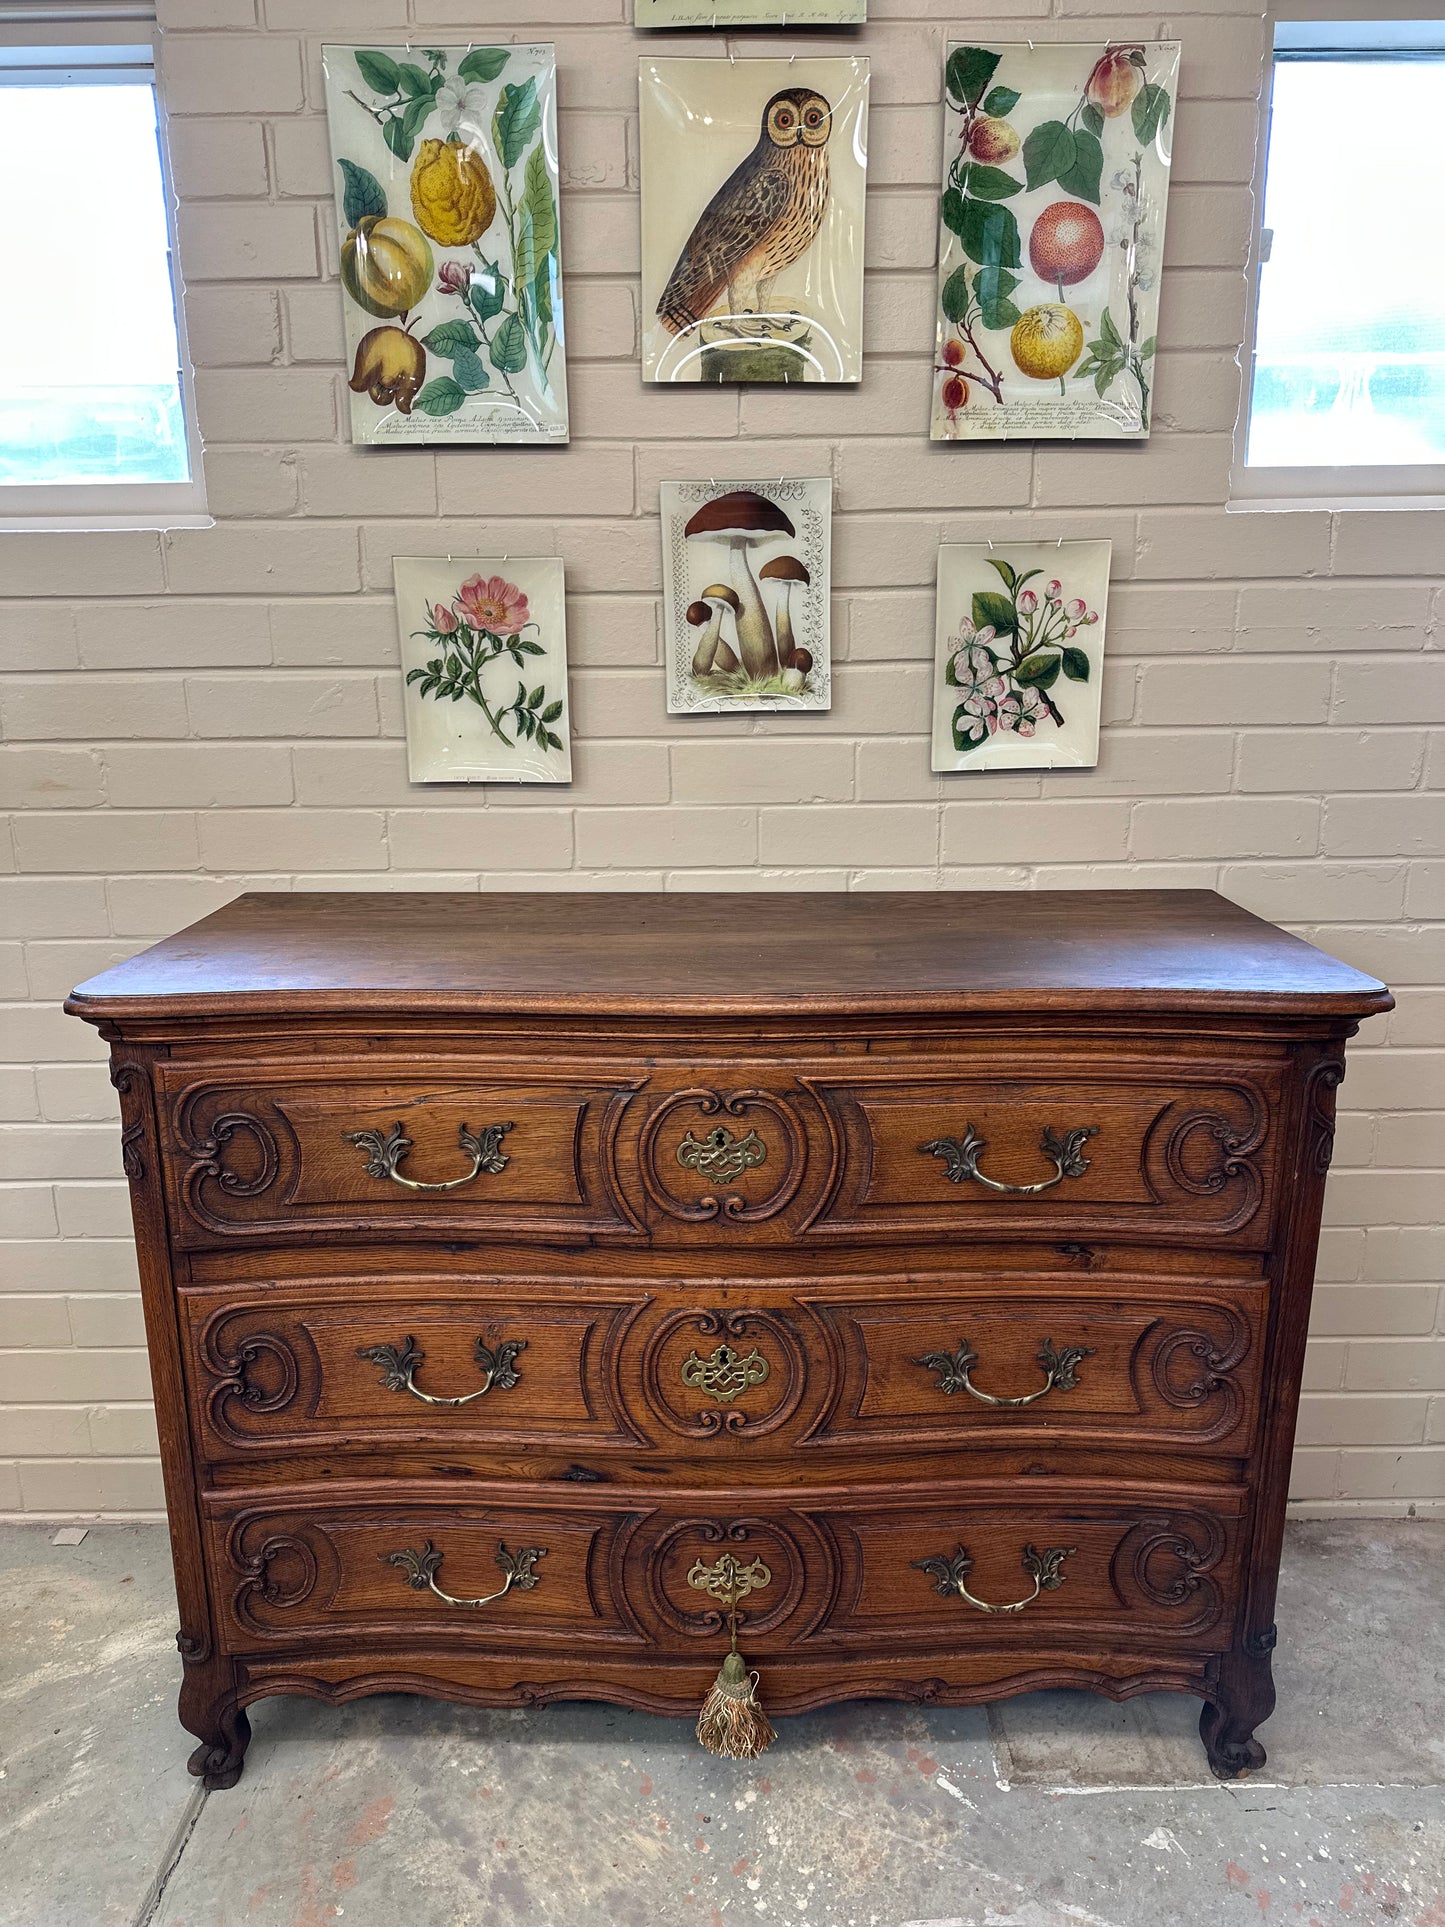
(217, 1761)
(1230, 1744)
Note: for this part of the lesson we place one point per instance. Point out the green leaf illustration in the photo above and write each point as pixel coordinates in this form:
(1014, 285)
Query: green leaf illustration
(397, 139)
(992, 288)
(379, 71)
(1151, 110)
(996, 611)
(1092, 118)
(537, 199)
(954, 297)
(1038, 672)
(1082, 178)
(1146, 349)
(509, 346)
(524, 257)
(1001, 101)
(542, 291)
(1048, 153)
(469, 371)
(1004, 569)
(1108, 334)
(483, 63)
(451, 338)
(1076, 665)
(441, 397)
(992, 184)
(551, 713)
(953, 210)
(363, 193)
(518, 116)
(990, 235)
(413, 115)
(415, 81)
(969, 71)
(487, 291)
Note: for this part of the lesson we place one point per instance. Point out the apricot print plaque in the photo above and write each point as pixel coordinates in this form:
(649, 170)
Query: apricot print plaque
(1055, 179)
(753, 174)
(445, 168)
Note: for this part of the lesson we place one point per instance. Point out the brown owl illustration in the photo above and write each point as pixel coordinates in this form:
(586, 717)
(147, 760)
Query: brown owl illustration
(764, 217)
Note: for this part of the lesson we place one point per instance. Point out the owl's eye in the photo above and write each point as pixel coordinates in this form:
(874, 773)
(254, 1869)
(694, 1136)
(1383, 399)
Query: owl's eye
(785, 119)
(814, 117)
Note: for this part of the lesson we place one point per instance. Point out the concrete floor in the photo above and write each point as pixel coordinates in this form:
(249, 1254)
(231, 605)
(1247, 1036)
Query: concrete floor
(1056, 1810)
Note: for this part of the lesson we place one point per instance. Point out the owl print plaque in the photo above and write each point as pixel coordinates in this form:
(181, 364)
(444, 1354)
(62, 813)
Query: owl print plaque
(753, 174)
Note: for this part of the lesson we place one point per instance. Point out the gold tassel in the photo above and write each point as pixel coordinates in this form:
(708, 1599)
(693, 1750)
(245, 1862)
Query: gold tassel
(731, 1722)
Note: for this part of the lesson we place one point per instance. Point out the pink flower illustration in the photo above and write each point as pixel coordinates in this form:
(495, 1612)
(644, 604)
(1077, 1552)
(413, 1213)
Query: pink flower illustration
(1052, 590)
(981, 686)
(454, 277)
(495, 605)
(1028, 602)
(443, 619)
(1075, 609)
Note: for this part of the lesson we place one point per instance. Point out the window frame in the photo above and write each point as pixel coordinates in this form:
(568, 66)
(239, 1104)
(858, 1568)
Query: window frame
(93, 54)
(1299, 29)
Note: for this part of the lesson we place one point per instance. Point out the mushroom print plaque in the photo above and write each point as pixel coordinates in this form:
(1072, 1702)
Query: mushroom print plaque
(1020, 648)
(752, 219)
(745, 568)
(1055, 178)
(484, 661)
(445, 169)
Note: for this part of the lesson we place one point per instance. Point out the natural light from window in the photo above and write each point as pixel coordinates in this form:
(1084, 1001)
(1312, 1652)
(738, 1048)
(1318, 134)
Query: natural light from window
(88, 325)
(1349, 365)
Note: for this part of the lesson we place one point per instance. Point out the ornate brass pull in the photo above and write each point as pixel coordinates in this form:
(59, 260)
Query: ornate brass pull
(961, 1155)
(1060, 1372)
(399, 1363)
(720, 1154)
(950, 1574)
(727, 1374)
(420, 1570)
(385, 1153)
(727, 1579)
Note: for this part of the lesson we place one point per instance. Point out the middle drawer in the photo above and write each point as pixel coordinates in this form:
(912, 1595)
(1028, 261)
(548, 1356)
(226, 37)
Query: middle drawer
(716, 1373)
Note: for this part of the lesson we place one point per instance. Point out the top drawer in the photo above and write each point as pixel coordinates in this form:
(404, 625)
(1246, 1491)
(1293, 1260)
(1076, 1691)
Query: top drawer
(408, 1146)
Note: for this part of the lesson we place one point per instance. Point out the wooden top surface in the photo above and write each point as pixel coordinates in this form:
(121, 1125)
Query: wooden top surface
(747, 953)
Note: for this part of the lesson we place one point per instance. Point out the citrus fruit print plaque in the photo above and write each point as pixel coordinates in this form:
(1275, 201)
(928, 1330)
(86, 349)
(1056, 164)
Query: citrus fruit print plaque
(1055, 182)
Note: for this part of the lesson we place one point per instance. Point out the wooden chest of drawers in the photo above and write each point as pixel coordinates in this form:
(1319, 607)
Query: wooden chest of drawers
(509, 1260)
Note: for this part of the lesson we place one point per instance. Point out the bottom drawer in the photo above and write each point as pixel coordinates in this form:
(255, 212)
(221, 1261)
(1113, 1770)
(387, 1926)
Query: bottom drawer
(871, 1572)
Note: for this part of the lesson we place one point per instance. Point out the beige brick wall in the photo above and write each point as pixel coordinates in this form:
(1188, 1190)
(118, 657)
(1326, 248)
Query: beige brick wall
(187, 715)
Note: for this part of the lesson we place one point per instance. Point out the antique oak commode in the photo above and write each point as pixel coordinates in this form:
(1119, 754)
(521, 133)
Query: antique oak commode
(512, 1264)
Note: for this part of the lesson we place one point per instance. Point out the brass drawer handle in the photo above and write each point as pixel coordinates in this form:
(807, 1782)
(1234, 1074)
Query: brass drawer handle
(950, 1575)
(961, 1154)
(399, 1363)
(384, 1154)
(1060, 1372)
(721, 1155)
(726, 1373)
(420, 1569)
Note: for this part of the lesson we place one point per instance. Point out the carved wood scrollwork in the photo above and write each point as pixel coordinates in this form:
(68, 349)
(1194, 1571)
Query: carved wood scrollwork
(1209, 1377)
(209, 1153)
(1236, 1162)
(230, 1366)
(654, 1157)
(1323, 1081)
(130, 1081)
(1166, 1559)
(704, 1419)
(280, 1572)
(764, 1538)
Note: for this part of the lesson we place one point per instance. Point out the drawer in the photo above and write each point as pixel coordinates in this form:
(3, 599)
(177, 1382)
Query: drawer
(711, 1376)
(903, 1568)
(408, 1148)
(1073, 1148)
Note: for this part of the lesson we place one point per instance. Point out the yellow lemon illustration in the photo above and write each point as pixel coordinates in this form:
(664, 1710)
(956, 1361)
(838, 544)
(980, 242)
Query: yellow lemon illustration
(452, 195)
(386, 265)
(1047, 341)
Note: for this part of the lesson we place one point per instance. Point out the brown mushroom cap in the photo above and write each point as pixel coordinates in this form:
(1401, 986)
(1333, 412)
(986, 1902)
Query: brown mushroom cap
(740, 512)
(720, 592)
(698, 613)
(784, 568)
(801, 659)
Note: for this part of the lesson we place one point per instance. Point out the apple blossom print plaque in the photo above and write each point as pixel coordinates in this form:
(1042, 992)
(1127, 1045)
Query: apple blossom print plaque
(1018, 655)
(445, 168)
(484, 663)
(1055, 179)
(745, 573)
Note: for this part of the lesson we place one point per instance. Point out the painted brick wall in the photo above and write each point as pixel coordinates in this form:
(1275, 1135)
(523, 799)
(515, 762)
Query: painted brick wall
(188, 715)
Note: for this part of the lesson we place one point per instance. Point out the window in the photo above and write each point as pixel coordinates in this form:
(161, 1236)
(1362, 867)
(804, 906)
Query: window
(1347, 376)
(96, 417)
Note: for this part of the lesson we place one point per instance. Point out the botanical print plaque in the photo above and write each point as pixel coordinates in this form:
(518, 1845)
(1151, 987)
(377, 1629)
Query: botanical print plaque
(1055, 179)
(753, 174)
(447, 225)
(749, 13)
(484, 658)
(745, 573)
(1019, 653)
